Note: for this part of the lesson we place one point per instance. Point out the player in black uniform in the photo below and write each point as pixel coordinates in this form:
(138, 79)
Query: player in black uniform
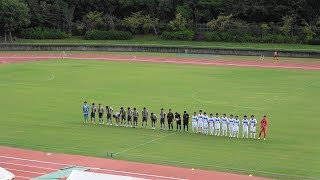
(170, 119)
(153, 118)
(178, 120)
(185, 121)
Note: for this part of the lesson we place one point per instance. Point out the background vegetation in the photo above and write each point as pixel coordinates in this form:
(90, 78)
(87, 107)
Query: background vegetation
(291, 21)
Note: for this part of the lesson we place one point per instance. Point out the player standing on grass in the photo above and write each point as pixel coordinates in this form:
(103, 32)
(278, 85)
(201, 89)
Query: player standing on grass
(211, 124)
(135, 117)
(109, 111)
(85, 110)
(236, 125)
(100, 111)
(144, 114)
(129, 117)
(245, 125)
(123, 116)
(170, 119)
(153, 118)
(253, 123)
(162, 119)
(275, 56)
(264, 123)
(217, 124)
(200, 122)
(93, 113)
(231, 123)
(205, 123)
(224, 122)
(185, 121)
(178, 121)
(194, 122)
(117, 118)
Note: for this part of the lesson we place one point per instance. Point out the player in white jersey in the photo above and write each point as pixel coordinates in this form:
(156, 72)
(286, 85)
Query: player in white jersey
(205, 123)
(211, 124)
(224, 124)
(245, 125)
(253, 123)
(200, 122)
(217, 124)
(236, 125)
(194, 122)
(231, 123)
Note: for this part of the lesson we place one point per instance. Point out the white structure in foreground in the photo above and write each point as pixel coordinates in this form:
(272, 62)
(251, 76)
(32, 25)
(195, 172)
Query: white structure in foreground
(6, 175)
(84, 175)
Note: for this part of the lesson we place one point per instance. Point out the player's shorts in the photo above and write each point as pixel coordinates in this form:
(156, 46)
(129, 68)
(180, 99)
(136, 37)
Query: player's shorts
(93, 115)
(224, 127)
(135, 119)
(253, 129)
(245, 129)
(129, 118)
(144, 118)
(231, 128)
(85, 115)
(200, 124)
(194, 124)
(211, 126)
(162, 120)
(100, 115)
(205, 125)
(179, 122)
(123, 117)
(217, 126)
(153, 120)
(170, 121)
(236, 128)
(108, 116)
(185, 122)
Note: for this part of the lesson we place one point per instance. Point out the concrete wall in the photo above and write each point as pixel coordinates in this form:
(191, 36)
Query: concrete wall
(160, 49)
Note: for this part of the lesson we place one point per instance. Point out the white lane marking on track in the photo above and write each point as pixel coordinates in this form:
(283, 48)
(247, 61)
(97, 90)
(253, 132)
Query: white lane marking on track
(102, 169)
(142, 144)
(38, 167)
(23, 177)
(19, 170)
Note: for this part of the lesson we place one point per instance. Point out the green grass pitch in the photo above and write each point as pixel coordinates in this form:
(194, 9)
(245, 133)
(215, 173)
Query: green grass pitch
(41, 109)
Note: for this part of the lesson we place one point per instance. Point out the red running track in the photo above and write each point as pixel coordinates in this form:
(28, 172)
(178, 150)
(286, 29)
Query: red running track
(14, 58)
(27, 164)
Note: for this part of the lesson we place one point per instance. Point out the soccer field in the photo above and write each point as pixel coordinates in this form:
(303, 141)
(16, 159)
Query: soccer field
(42, 109)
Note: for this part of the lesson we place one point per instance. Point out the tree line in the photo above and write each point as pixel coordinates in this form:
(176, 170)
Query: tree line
(77, 17)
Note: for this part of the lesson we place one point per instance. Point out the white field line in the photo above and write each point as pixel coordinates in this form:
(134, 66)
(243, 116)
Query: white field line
(142, 144)
(23, 177)
(102, 169)
(52, 77)
(19, 170)
(38, 167)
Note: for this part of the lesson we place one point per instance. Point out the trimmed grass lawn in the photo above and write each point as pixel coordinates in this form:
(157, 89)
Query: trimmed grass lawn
(152, 40)
(42, 101)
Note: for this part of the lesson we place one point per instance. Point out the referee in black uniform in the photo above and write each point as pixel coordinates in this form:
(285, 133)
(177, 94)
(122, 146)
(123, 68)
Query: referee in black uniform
(178, 120)
(185, 121)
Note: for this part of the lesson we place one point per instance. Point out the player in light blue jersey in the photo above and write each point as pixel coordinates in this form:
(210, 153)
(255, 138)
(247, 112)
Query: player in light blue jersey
(231, 125)
(195, 122)
(224, 123)
(217, 122)
(245, 125)
(85, 110)
(205, 123)
(236, 125)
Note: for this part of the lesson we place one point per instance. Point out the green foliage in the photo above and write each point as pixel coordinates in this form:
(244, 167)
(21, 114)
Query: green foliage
(237, 37)
(185, 35)
(41, 33)
(220, 23)
(314, 41)
(287, 25)
(14, 14)
(184, 10)
(308, 30)
(178, 24)
(138, 23)
(108, 35)
(94, 20)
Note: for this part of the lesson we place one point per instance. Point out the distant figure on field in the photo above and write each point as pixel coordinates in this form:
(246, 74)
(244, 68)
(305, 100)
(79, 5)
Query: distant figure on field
(100, 111)
(93, 113)
(129, 120)
(123, 116)
(153, 118)
(264, 123)
(85, 110)
(162, 119)
(135, 117)
(178, 121)
(275, 55)
(144, 114)
(109, 111)
(185, 121)
(245, 125)
(253, 123)
(170, 119)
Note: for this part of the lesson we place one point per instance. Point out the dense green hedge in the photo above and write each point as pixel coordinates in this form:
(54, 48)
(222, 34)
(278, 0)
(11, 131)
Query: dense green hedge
(41, 33)
(314, 42)
(108, 35)
(178, 35)
(232, 37)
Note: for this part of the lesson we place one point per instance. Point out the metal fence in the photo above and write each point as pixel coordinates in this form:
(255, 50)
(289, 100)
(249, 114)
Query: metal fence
(250, 29)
